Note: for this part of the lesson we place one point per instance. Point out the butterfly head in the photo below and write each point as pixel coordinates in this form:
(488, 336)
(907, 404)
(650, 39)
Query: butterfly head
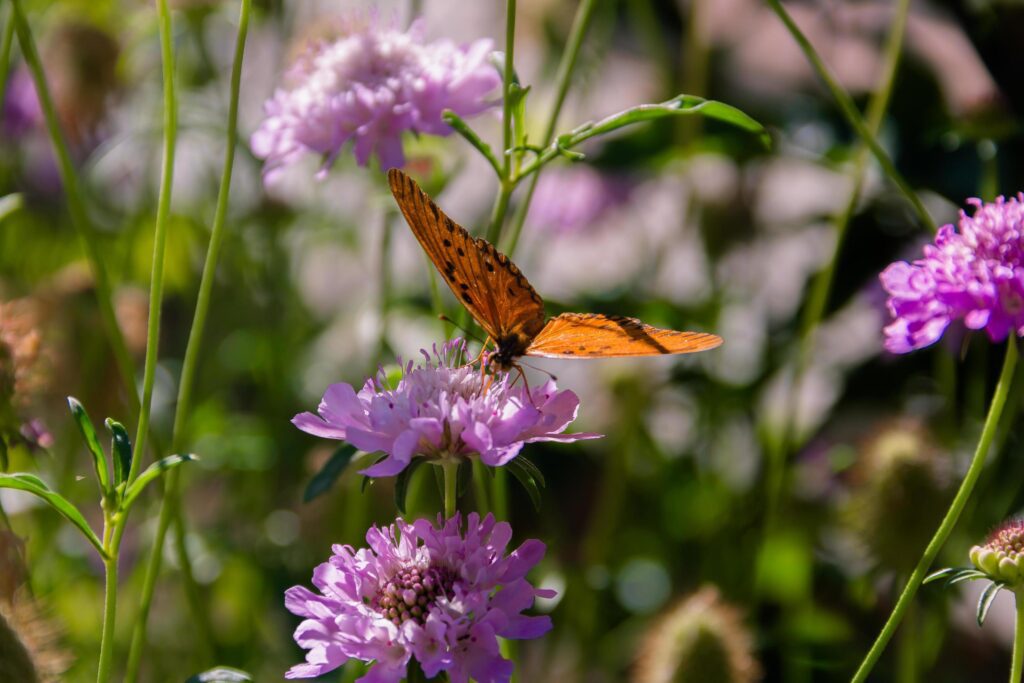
(509, 348)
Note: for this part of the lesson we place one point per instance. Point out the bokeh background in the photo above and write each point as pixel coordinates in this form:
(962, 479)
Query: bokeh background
(683, 223)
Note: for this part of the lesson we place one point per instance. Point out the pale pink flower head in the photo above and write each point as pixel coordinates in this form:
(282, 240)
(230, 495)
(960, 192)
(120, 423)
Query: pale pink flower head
(570, 199)
(974, 273)
(423, 591)
(370, 86)
(443, 408)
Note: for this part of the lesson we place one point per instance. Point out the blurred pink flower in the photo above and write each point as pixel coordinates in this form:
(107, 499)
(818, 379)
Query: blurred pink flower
(976, 274)
(370, 86)
(442, 409)
(420, 591)
(569, 199)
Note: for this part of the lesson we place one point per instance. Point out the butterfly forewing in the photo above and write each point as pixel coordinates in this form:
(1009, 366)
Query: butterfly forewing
(589, 335)
(483, 279)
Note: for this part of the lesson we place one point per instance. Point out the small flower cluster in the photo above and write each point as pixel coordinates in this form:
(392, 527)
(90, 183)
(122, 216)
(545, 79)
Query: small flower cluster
(443, 409)
(369, 87)
(975, 274)
(1002, 555)
(431, 592)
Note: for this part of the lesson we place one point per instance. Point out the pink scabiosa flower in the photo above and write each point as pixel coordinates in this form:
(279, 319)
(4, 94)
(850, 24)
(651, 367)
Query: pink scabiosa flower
(443, 409)
(974, 273)
(370, 86)
(423, 591)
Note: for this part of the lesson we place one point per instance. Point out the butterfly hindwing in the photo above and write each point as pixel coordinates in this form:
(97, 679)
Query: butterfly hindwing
(483, 279)
(593, 335)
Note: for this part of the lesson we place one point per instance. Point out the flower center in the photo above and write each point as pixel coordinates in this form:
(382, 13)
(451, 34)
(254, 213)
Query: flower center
(411, 592)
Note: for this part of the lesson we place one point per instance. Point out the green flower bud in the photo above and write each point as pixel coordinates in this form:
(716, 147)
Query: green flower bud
(701, 639)
(1002, 555)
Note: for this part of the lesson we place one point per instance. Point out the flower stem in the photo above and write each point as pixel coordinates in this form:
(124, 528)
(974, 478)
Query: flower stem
(109, 618)
(580, 23)
(451, 480)
(852, 116)
(6, 45)
(506, 92)
(163, 209)
(76, 206)
(171, 505)
(1017, 665)
(952, 515)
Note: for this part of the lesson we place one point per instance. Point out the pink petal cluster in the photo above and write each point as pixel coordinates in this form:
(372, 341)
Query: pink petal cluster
(443, 408)
(974, 274)
(420, 591)
(369, 87)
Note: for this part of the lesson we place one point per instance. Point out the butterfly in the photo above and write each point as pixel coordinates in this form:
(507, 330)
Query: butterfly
(500, 298)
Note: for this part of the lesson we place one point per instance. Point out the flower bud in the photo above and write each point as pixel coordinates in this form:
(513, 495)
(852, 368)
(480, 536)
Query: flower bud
(1002, 555)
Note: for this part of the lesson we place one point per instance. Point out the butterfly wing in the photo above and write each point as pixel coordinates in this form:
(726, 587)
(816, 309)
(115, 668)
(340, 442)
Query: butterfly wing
(592, 335)
(487, 283)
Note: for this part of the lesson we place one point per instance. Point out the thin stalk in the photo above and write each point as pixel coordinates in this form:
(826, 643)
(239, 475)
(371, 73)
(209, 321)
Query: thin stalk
(109, 618)
(76, 206)
(1017, 665)
(499, 211)
(580, 23)
(170, 507)
(852, 116)
(483, 505)
(952, 515)
(6, 47)
(163, 210)
(451, 477)
(506, 90)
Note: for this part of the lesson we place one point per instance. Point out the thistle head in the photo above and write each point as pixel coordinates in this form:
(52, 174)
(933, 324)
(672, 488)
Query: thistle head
(1001, 557)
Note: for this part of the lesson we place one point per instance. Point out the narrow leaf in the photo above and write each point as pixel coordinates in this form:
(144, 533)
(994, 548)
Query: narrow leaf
(942, 573)
(527, 480)
(470, 136)
(986, 599)
(92, 442)
(221, 674)
(529, 466)
(151, 473)
(323, 480)
(121, 450)
(37, 487)
(517, 100)
(967, 575)
(402, 483)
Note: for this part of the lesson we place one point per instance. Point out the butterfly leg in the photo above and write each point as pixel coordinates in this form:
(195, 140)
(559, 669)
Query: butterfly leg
(483, 350)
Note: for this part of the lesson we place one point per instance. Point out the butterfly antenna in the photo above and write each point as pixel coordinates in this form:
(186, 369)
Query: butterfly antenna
(445, 319)
(552, 375)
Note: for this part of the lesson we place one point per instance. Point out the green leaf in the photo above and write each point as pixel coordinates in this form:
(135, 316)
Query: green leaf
(681, 105)
(470, 136)
(323, 480)
(966, 575)
(986, 599)
(151, 473)
(402, 482)
(941, 574)
(517, 101)
(526, 464)
(525, 478)
(221, 674)
(121, 450)
(37, 487)
(92, 442)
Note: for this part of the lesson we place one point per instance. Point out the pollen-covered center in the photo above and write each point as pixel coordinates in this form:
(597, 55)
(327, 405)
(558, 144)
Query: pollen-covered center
(412, 592)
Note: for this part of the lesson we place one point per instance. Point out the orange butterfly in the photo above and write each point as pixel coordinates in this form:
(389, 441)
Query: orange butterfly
(491, 287)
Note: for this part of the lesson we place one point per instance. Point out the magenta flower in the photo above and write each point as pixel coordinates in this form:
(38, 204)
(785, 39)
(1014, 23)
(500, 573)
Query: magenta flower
(420, 591)
(443, 409)
(369, 86)
(975, 274)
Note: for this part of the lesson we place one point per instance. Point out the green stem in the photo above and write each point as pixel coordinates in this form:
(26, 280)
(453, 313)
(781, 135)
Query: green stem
(1017, 665)
(6, 47)
(852, 116)
(506, 90)
(499, 211)
(952, 515)
(109, 618)
(76, 206)
(451, 480)
(171, 503)
(580, 23)
(163, 209)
